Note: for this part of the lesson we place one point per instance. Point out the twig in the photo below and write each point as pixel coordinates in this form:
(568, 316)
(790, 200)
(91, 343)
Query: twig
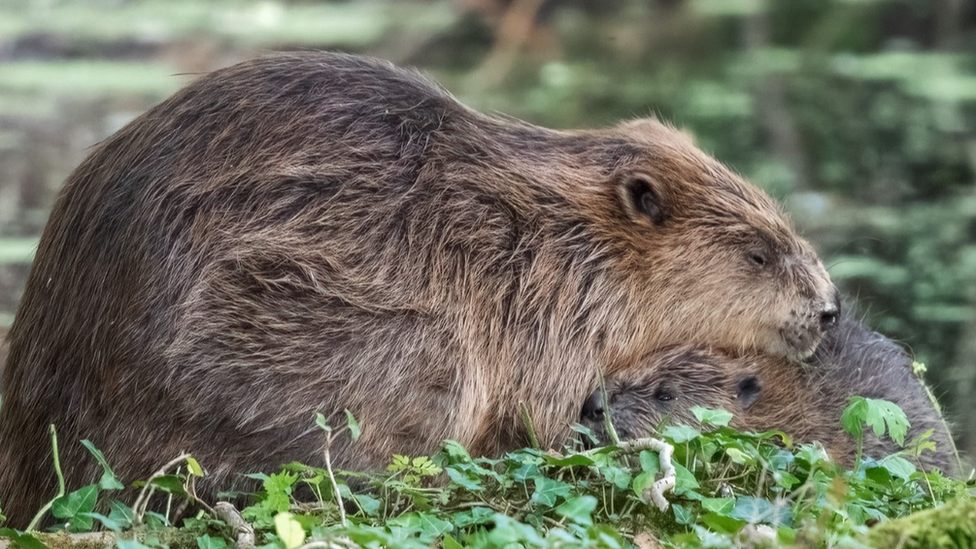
(667, 481)
(57, 471)
(243, 531)
(335, 487)
(139, 507)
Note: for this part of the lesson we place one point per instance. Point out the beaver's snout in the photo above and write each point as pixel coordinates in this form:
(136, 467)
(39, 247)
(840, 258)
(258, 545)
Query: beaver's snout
(593, 408)
(830, 312)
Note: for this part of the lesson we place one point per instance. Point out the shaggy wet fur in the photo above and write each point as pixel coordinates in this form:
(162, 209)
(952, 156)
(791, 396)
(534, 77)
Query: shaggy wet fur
(763, 394)
(317, 232)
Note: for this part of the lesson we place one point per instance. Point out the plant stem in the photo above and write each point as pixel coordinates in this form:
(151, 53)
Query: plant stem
(57, 471)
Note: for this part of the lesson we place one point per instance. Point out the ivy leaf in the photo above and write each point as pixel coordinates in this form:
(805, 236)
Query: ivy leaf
(898, 466)
(289, 530)
(207, 542)
(578, 509)
(682, 515)
(569, 461)
(23, 540)
(739, 457)
(322, 423)
(450, 543)
(369, 505)
(758, 510)
(650, 462)
(684, 481)
(722, 523)
(721, 506)
(681, 433)
(642, 482)
(475, 516)
(462, 479)
(353, 425)
(107, 522)
(75, 507)
(120, 514)
(548, 490)
(706, 416)
(193, 466)
(108, 481)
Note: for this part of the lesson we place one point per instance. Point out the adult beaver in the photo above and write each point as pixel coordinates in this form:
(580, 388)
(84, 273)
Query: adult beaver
(763, 394)
(316, 232)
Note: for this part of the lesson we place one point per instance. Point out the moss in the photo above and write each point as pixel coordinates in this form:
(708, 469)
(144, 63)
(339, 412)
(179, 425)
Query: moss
(952, 525)
(170, 537)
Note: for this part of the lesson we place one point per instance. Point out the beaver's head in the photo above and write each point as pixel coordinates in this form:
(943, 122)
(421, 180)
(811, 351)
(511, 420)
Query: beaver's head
(710, 257)
(661, 389)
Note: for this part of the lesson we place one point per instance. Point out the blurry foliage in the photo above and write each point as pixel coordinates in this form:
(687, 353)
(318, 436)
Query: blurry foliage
(859, 114)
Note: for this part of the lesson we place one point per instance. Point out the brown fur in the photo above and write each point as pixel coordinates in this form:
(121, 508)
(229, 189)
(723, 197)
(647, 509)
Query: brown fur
(763, 393)
(313, 232)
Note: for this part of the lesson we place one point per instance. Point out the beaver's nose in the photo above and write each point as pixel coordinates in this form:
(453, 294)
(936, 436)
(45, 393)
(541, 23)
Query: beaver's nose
(593, 407)
(830, 314)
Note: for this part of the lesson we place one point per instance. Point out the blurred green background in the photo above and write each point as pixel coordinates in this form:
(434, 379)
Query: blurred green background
(859, 114)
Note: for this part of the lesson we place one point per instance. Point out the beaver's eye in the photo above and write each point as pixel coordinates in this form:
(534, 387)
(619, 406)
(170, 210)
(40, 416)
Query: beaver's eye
(758, 259)
(663, 394)
(748, 390)
(645, 201)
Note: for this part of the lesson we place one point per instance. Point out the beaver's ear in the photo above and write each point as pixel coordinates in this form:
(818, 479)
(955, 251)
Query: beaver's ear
(748, 390)
(641, 200)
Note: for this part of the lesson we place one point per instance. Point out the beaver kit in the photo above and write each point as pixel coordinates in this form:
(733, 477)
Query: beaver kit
(309, 233)
(763, 394)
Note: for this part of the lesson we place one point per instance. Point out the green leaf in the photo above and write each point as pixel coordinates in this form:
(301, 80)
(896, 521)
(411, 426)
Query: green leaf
(682, 515)
(642, 482)
(705, 416)
(462, 479)
(547, 491)
(738, 456)
(784, 479)
(75, 507)
(369, 505)
(618, 476)
(171, 484)
(680, 433)
(322, 423)
(721, 506)
(108, 481)
(424, 467)
(758, 510)
(578, 509)
(722, 523)
(353, 425)
(854, 416)
(525, 472)
(207, 542)
(107, 522)
(880, 415)
(650, 462)
(22, 540)
(120, 513)
(684, 481)
(572, 460)
(193, 466)
(472, 517)
(450, 543)
(289, 530)
(898, 466)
